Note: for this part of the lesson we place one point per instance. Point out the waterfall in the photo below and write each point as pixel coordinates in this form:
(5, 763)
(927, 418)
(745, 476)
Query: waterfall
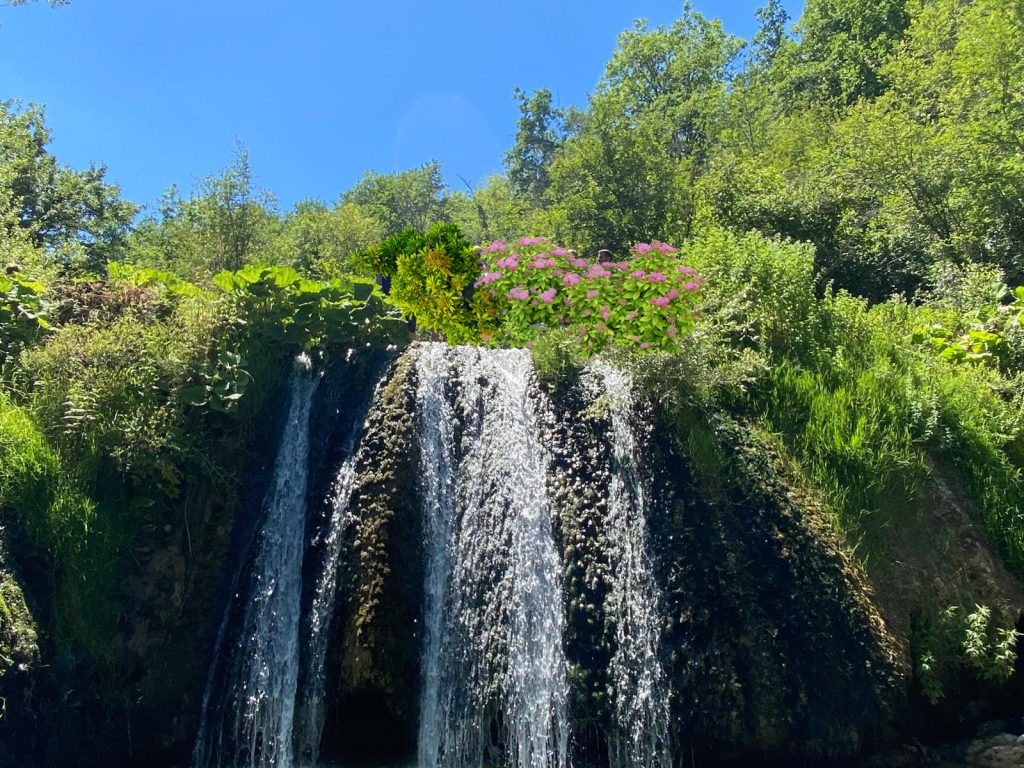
(494, 668)
(252, 727)
(309, 719)
(495, 687)
(639, 692)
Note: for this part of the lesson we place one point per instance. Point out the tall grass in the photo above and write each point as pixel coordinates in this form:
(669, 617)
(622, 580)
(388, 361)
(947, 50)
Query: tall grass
(36, 489)
(857, 403)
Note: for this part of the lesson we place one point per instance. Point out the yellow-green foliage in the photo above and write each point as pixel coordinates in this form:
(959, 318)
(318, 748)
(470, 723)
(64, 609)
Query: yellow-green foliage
(432, 277)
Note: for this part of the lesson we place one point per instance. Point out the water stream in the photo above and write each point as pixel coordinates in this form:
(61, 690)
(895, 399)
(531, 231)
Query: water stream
(639, 692)
(494, 666)
(254, 726)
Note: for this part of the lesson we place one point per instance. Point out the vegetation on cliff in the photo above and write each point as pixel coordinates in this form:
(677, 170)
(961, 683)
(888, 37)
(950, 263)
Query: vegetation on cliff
(842, 291)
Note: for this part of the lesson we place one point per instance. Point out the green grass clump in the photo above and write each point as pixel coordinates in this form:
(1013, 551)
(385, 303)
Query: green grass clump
(35, 488)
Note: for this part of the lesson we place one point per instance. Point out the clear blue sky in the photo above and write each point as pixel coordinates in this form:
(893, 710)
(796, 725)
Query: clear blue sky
(319, 91)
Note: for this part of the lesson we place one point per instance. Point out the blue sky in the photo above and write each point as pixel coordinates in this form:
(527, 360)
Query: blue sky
(318, 91)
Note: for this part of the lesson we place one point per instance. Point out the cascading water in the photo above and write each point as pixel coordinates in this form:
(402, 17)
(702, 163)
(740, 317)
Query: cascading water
(495, 674)
(639, 692)
(252, 727)
(309, 718)
(494, 665)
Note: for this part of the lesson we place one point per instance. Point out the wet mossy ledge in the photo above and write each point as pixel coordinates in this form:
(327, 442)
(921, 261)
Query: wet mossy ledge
(781, 640)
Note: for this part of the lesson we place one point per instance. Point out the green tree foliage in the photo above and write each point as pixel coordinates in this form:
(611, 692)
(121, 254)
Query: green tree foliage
(76, 216)
(493, 211)
(315, 238)
(415, 198)
(228, 223)
(841, 48)
(628, 170)
(540, 131)
(923, 172)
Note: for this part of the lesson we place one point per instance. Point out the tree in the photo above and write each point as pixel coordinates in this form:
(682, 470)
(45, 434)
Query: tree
(492, 211)
(315, 238)
(68, 213)
(770, 36)
(541, 130)
(233, 212)
(227, 224)
(842, 48)
(414, 198)
(627, 172)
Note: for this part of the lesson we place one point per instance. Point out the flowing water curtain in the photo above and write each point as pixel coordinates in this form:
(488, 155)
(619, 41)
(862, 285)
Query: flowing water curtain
(436, 430)
(311, 703)
(252, 725)
(493, 658)
(639, 689)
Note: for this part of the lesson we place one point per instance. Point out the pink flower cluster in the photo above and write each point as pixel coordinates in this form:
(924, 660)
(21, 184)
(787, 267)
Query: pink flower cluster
(655, 245)
(647, 298)
(489, 277)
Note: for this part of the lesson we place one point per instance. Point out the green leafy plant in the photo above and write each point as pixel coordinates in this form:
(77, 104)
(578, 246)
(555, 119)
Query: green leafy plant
(23, 315)
(222, 383)
(382, 259)
(982, 342)
(962, 643)
(279, 307)
(433, 276)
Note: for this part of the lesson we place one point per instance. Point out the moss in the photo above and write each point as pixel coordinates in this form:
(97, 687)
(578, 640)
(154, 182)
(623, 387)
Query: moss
(777, 646)
(383, 584)
(578, 488)
(19, 657)
(19, 642)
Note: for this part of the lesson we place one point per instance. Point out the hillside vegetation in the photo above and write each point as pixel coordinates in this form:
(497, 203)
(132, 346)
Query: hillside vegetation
(816, 236)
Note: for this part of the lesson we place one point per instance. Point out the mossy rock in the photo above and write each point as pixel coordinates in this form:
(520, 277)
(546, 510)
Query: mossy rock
(19, 643)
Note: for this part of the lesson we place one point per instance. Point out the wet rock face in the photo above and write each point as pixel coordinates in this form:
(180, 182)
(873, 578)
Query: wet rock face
(1005, 750)
(776, 646)
(578, 486)
(768, 635)
(19, 655)
(373, 709)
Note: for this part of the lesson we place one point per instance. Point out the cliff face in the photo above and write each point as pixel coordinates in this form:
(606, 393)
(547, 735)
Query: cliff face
(772, 637)
(19, 655)
(774, 641)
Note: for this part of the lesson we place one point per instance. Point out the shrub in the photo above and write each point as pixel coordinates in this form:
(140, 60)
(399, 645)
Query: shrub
(23, 316)
(432, 281)
(278, 311)
(111, 391)
(962, 646)
(645, 302)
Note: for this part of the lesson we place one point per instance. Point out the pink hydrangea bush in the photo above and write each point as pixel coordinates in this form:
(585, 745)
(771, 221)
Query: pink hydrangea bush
(645, 301)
